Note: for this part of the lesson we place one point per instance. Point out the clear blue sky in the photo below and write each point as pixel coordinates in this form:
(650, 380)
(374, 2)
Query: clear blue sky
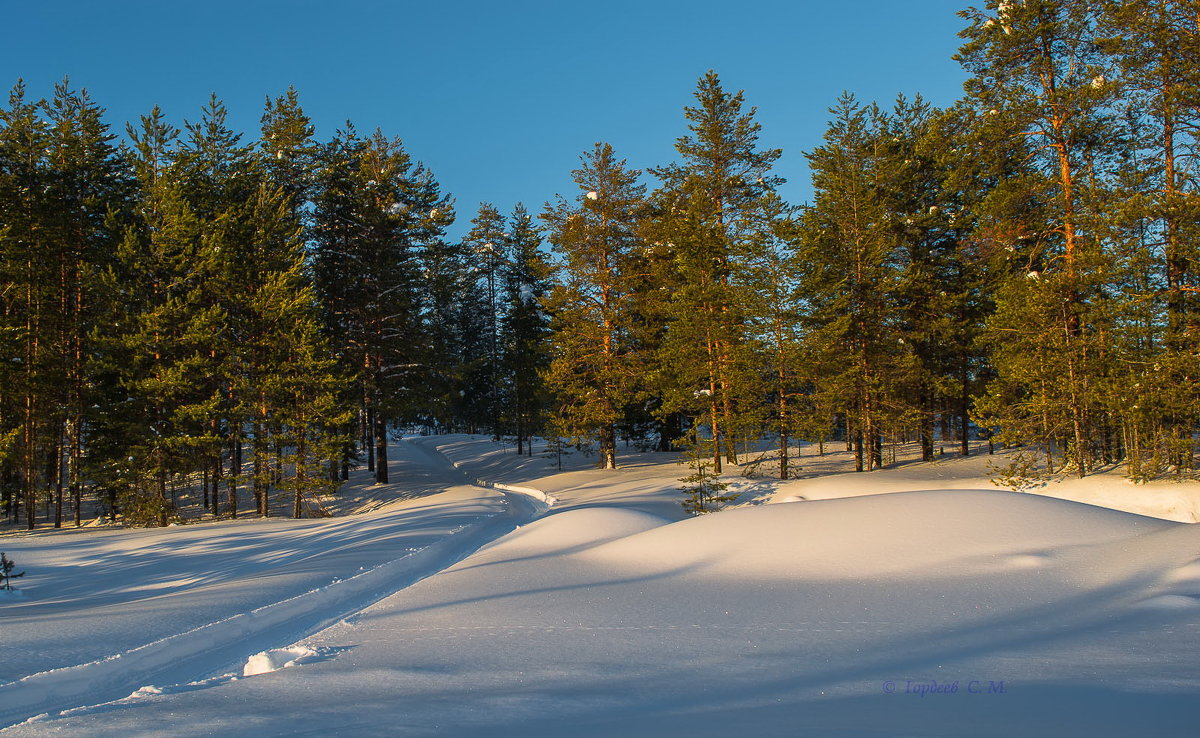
(498, 98)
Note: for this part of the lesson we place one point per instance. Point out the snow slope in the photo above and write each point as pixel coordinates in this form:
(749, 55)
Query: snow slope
(925, 613)
(108, 608)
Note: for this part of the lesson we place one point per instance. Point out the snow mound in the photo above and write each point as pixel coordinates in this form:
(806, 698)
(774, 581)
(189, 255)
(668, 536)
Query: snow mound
(11, 595)
(147, 691)
(930, 533)
(265, 662)
(1169, 602)
(579, 528)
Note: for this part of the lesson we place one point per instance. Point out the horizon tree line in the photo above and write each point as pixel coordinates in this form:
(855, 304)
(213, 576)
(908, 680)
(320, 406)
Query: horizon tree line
(186, 313)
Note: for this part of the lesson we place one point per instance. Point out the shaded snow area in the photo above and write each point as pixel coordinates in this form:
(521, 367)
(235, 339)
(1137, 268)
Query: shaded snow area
(583, 604)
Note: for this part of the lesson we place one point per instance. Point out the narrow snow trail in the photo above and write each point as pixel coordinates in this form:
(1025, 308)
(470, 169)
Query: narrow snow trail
(177, 605)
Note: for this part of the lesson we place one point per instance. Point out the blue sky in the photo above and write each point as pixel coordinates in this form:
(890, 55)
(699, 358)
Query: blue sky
(497, 98)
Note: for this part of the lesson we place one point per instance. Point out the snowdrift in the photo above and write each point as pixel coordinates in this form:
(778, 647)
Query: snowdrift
(915, 533)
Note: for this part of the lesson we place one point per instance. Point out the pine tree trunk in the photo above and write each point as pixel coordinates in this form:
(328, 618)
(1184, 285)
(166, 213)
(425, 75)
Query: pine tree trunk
(259, 450)
(783, 453)
(74, 458)
(964, 408)
(59, 447)
(234, 471)
(162, 490)
(608, 447)
(381, 457)
(368, 435)
(28, 463)
(301, 453)
(927, 413)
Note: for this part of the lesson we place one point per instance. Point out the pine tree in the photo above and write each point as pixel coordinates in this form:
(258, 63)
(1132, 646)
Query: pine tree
(595, 369)
(90, 190)
(298, 386)
(525, 327)
(219, 182)
(709, 207)
(850, 271)
(773, 308)
(157, 352)
(487, 240)
(1040, 82)
(27, 274)
(375, 210)
(1153, 46)
(287, 151)
(455, 314)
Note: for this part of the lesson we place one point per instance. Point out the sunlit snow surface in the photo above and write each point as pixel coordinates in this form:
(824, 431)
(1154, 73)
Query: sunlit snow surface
(925, 613)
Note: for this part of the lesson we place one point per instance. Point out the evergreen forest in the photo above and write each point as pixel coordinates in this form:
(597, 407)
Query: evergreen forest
(189, 312)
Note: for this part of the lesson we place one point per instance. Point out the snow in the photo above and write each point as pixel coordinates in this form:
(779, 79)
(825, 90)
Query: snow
(918, 600)
(265, 662)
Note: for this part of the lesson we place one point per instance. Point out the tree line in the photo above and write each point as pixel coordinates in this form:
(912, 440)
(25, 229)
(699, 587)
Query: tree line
(185, 312)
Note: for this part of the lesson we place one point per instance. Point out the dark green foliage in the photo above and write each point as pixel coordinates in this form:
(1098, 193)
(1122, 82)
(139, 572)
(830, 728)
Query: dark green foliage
(375, 211)
(6, 575)
(525, 328)
(707, 215)
(597, 362)
(704, 490)
(197, 310)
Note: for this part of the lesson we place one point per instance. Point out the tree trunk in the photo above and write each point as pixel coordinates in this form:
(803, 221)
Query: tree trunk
(234, 470)
(608, 447)
(381, 457)
(368, 436)
(964, 408)
(59, 447)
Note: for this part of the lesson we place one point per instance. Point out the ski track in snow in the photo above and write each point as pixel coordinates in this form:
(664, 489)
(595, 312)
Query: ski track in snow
(259, 637)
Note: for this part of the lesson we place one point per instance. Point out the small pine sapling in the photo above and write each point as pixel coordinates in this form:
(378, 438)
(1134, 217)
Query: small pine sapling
(704, 487)
(6, 575)
(1020, 474)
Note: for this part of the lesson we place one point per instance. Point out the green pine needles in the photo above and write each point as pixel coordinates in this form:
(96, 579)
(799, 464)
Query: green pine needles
(6, 575)
(704, 492)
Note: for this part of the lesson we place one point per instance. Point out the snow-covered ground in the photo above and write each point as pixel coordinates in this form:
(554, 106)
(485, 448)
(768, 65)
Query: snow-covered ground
(945, 608)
